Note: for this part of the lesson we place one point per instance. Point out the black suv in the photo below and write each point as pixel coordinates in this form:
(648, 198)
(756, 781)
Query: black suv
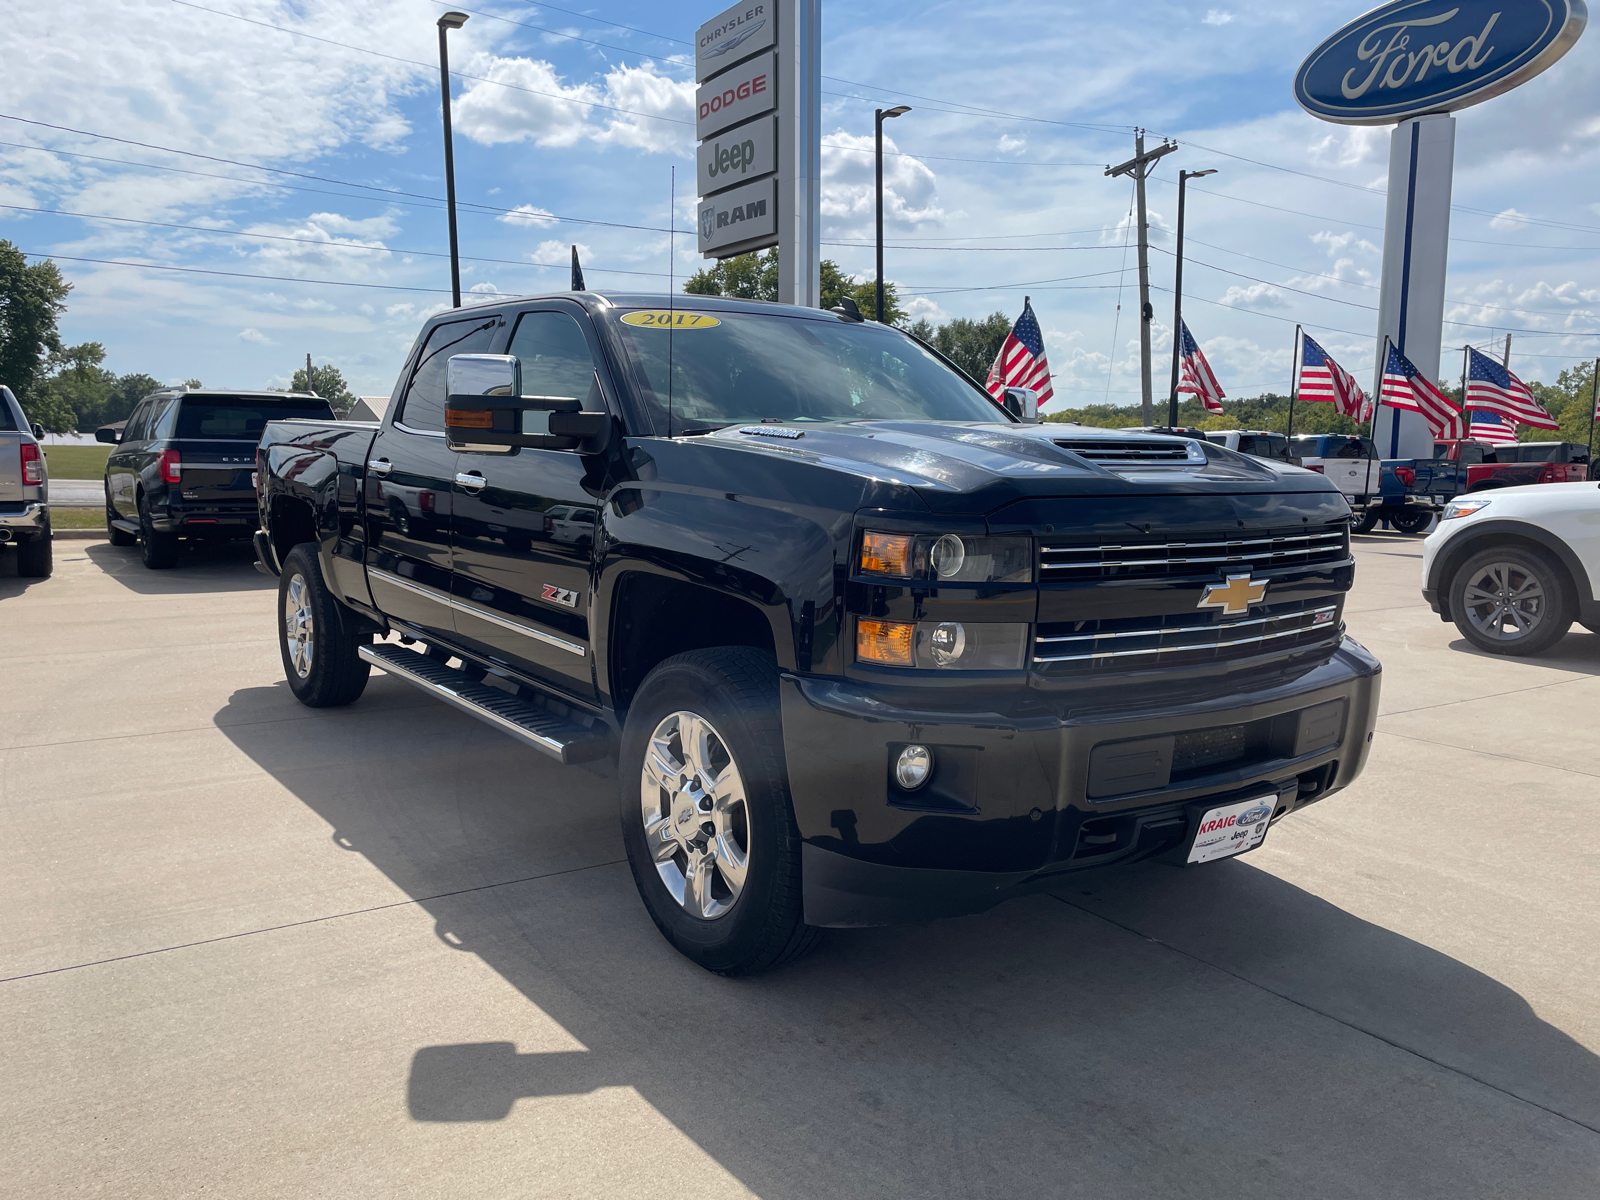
(182, 466)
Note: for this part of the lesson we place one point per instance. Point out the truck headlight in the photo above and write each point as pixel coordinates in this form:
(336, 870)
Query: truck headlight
(950, 558)
(942, 645)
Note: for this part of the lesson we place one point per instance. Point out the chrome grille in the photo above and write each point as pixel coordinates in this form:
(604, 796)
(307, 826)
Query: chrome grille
(1133, 644)
(1201, 553)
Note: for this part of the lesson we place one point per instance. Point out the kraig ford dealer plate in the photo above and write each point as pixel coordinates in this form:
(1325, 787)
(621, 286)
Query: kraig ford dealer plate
(1232, 829)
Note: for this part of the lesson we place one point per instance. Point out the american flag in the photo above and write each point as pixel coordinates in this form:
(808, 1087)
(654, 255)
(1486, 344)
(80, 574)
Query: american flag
(1491, 427)
(1325, 380)
(1406, 387)
(1198, 378)
(1491, 386)
(1021, 361)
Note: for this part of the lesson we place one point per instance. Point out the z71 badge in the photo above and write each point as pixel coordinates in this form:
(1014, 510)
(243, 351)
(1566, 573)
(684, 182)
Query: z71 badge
(560, 595)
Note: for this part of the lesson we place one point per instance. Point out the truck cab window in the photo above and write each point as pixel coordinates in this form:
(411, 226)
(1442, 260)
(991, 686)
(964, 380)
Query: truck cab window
(555, 358)
(423, 407)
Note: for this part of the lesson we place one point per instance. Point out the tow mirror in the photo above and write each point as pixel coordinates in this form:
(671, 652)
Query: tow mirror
(486, 410)
(1022, 403)
(106, 434)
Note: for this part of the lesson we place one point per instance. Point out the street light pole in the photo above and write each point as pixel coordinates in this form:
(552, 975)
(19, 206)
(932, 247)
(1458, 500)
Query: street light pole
(1177, 297)
(879, 117)
(450, 20)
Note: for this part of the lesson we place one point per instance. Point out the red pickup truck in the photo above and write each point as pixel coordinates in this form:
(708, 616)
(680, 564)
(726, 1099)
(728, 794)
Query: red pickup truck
(1510, 466)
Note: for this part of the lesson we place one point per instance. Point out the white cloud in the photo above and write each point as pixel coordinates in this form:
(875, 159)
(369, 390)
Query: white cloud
(556, 253)
(484, 288)
(537, 105)
(849, 196)
(1012, 145)
(348, 247)
(1216, 16)
(527, 214)
(1509, 219)
(1257, 295)
(255, 336)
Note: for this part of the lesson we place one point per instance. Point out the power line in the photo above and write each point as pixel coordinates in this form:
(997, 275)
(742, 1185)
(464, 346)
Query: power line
(112, 262)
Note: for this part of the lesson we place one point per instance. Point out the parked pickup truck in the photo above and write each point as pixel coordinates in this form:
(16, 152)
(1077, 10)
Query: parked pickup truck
(864, 648)
(24, 489)
(1351, 463)
(1416, 490)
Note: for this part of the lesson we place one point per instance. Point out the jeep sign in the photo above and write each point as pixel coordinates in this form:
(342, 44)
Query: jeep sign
(731, 222)
(737, 156)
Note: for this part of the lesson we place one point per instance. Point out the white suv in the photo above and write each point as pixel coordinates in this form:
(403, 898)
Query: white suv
(1515, 568)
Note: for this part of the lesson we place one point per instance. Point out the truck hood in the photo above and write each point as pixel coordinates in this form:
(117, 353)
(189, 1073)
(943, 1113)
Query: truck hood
(971, 467)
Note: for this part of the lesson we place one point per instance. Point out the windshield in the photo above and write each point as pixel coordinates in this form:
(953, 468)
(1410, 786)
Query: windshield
(731, 368)
(242, 419)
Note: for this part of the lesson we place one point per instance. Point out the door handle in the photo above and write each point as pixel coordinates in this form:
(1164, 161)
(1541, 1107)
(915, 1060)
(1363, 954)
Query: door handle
(471, 480)
(379, 466)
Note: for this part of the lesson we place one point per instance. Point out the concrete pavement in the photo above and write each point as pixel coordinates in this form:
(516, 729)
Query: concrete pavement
(249, 949)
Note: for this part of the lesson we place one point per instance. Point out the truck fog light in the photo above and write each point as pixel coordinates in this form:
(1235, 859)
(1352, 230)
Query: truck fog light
(948, 643)
(913, 766)
(949, 556)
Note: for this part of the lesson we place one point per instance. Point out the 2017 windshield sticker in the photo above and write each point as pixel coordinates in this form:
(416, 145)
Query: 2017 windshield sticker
(670, 319)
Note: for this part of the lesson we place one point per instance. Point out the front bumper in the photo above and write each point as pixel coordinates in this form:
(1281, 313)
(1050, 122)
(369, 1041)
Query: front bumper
(30, 517)
(1030, 784)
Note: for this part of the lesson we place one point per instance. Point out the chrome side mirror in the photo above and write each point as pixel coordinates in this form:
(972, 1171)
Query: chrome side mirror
(1022, 403)
(483, 375)
(485, 410)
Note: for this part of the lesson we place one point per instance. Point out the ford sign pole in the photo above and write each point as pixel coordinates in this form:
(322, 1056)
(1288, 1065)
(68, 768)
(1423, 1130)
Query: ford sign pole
(1411, 63)
(879, 117)
(450, 20)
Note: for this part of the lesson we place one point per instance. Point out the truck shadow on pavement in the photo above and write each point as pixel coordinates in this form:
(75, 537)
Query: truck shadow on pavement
(223, 567)
(1210, 1032)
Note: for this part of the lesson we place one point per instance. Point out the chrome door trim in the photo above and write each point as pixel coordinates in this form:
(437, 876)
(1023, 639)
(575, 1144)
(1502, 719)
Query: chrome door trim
(473, 610)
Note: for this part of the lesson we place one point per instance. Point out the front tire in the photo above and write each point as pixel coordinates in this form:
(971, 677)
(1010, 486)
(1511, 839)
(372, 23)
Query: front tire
(35, 557)
(1511, 601)
(316, 637)
(706, 815)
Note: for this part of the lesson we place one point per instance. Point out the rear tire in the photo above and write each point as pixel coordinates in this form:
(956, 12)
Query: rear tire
(316, 636)
(1412, 521)
(159, 550)
(1511, 601)
(1365, 523)
(706, 816)
(34, 557)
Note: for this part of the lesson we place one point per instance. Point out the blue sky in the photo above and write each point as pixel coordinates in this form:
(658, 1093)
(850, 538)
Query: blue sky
(581, 111)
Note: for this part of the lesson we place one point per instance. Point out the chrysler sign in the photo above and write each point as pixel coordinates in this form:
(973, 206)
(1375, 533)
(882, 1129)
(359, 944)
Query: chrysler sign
(1432, 56)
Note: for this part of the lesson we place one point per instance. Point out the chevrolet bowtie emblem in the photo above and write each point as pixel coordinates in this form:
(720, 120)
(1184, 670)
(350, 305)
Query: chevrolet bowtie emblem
(1234, 597)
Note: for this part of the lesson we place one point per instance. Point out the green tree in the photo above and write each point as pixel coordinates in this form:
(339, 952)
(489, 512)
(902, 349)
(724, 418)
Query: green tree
(971, 345)
(327, 382)
(755, 277)
(32, 299)
(75, 389)
(125, 394)
(1569, 401)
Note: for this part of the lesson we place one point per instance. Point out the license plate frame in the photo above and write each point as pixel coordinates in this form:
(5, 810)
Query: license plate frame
(1220, 833)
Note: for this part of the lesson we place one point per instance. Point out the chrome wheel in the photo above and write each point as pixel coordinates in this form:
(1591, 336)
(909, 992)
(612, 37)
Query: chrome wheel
(1505, 601)
(696, 817)
(298, 626)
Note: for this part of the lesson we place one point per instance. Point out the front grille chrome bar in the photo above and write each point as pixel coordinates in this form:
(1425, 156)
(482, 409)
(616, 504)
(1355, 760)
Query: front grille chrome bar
(1305, 622)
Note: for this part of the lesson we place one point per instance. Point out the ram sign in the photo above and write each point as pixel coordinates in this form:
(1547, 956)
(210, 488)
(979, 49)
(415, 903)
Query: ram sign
(736, 218)
(1432, 56)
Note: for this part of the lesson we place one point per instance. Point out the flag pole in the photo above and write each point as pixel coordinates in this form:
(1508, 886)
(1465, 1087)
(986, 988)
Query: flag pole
(1377, 401)
(1294, 380)
(1466, 412)
(1594, 402)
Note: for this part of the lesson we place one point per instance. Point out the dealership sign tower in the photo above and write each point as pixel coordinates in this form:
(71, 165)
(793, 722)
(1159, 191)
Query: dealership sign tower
(1414, 62)
(758, 115)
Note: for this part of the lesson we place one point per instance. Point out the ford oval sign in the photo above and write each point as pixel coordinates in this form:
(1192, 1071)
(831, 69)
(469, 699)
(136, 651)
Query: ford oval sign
(1429, 56)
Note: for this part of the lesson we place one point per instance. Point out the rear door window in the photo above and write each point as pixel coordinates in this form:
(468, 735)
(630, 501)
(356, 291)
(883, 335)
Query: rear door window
(134, 430)
(241, 420)
(423, 407)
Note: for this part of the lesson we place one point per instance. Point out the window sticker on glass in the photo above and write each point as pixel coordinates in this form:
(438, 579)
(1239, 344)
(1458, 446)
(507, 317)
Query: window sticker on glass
(674, 318)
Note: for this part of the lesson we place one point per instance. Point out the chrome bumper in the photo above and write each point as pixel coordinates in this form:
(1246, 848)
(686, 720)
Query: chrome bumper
(35, 515)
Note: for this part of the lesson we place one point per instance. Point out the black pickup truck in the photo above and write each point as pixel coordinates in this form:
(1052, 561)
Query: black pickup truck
(864, 647)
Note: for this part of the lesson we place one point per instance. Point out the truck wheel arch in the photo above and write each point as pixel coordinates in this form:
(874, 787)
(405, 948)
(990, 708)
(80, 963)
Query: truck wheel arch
(647, 626)
(1512, 533)
(291, 522)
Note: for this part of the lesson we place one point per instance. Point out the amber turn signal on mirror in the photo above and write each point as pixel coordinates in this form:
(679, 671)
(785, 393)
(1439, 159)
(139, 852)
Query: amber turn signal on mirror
(885, 642)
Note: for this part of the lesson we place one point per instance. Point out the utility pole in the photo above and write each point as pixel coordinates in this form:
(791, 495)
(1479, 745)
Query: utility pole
(1139, 167)
(1506, 361)
(309, 388)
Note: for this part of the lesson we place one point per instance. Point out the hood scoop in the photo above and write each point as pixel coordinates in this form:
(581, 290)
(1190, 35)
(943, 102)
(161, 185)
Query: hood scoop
(1118, 451)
